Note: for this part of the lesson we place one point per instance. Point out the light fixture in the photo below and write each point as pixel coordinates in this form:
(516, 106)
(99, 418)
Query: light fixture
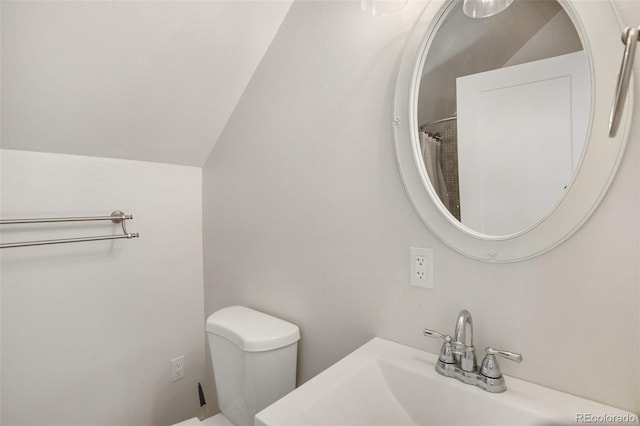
(382, 7)
(484, 8)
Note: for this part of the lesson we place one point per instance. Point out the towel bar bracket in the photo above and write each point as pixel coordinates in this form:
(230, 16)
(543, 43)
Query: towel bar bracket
(119, 216)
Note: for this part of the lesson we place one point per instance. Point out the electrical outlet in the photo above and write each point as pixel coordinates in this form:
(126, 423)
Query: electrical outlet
(421, 267)
(177, 368)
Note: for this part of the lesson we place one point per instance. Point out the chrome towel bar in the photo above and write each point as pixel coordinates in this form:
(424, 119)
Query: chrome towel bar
(115, 217)
(630, 36)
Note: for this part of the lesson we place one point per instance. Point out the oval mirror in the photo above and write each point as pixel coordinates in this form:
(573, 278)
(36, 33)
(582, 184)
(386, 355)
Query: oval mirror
(501, 122)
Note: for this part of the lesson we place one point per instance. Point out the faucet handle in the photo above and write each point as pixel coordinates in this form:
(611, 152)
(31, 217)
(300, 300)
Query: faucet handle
(433, 333)
(446, 353)
(505, 354)
(490, 366)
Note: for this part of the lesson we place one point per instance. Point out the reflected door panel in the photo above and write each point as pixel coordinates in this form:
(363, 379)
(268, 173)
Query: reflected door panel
(521, 133)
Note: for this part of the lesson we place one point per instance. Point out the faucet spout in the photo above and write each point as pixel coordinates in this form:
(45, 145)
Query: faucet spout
(464, 351)
(464, 329)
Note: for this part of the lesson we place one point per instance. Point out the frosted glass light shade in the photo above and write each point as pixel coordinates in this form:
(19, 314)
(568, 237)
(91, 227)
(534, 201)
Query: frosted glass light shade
(484, 8)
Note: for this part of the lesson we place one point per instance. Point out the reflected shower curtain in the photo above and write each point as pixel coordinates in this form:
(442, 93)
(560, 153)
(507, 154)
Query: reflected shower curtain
(431, 149)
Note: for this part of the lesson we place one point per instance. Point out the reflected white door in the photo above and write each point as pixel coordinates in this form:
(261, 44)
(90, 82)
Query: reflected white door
(510, 178)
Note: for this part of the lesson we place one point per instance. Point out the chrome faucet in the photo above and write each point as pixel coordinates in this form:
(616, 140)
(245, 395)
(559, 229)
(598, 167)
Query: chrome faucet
(458, 357)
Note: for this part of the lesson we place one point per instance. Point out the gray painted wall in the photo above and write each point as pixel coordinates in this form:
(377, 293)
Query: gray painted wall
(88, 329)
(306, 217)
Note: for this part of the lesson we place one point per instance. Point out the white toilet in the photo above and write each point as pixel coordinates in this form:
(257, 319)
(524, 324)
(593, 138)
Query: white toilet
(254, 359)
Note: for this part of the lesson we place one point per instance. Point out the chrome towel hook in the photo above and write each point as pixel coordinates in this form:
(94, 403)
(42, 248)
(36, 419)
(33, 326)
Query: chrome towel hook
(630, 37)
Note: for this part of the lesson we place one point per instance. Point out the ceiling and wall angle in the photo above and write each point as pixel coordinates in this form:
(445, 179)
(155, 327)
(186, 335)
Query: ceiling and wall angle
(150, 81)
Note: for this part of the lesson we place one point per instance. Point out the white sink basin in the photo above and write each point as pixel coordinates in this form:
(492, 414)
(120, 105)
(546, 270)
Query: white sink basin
(385, 383)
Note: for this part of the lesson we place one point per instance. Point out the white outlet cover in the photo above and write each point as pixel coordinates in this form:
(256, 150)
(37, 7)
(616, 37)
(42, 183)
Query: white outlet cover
(421, 267)
(177, 368)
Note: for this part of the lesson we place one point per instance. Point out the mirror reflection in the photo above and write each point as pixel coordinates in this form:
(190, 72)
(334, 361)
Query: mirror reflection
(503, 110)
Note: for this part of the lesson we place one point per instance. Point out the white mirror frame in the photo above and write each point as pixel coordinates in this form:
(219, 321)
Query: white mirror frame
(600, 30)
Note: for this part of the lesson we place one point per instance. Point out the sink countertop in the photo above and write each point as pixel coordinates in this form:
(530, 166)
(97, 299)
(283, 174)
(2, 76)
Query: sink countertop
(385, 383)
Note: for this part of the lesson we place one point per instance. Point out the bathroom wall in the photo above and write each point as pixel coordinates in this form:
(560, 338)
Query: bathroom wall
(558, 32)
(88, 329)
(306, 217)
(128, 79)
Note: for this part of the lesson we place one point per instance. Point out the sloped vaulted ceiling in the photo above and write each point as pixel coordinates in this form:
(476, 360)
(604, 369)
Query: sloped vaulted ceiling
(140, 80)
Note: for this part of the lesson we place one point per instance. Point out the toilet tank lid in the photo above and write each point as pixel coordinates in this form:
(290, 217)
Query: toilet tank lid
(250, 330)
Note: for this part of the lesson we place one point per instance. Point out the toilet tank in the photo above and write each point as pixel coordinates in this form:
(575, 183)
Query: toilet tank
(254, 358)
